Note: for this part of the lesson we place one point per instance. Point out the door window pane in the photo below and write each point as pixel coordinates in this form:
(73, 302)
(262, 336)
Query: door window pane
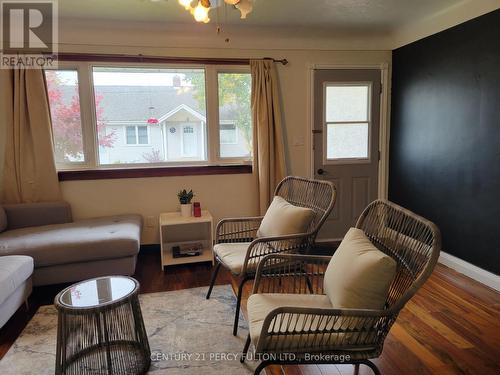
(64, 102)
(347, 141)
(346, 103)
(157, 102)
(235, 128)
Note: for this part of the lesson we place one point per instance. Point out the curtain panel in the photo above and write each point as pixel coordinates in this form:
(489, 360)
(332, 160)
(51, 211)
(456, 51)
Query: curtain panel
(269, 151)
(29, 172)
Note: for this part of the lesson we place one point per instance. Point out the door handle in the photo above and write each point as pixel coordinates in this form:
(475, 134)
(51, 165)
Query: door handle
(321, 171)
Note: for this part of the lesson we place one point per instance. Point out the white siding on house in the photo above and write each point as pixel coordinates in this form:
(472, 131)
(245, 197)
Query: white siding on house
(168, 140)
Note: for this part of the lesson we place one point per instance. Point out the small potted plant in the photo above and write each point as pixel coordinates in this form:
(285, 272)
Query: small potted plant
(185, 198)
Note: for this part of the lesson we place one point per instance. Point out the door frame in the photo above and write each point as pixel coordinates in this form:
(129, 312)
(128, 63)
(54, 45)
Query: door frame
(383, 170)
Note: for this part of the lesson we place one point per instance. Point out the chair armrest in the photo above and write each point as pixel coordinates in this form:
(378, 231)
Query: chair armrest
(37, 214)
(241, 229)
(291, 273)
(336, 329)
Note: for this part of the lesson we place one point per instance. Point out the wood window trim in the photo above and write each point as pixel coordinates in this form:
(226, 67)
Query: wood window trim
(116, 173)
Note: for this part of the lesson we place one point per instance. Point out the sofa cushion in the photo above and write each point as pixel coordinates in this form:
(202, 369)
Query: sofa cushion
(358, 275)
(81, 241)
(283, 218)
(3, 220)
(232, 255)
(14, 271)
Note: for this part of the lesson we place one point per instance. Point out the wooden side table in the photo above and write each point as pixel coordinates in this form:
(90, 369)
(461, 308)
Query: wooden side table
(100, 328)
(178, 230)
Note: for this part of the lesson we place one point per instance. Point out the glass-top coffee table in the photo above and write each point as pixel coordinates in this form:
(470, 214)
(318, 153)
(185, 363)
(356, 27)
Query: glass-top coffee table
(100, 328)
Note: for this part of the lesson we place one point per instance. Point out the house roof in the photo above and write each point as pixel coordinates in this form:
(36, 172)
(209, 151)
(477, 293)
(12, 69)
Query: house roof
(184, 107)
(132, 103)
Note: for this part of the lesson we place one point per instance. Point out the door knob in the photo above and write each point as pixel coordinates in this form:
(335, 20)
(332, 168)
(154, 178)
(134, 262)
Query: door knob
(321, 171)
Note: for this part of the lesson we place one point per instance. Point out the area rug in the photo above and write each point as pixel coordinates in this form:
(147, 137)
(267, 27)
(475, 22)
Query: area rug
(187, 335)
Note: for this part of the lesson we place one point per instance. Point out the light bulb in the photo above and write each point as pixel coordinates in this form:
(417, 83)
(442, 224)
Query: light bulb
(200, 13)
(185, 3)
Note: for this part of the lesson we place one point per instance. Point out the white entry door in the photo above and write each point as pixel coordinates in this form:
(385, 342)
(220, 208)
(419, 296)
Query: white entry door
(346, 141)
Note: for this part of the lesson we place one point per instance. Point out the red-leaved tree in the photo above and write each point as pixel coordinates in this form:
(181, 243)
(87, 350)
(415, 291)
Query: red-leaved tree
(66, 121)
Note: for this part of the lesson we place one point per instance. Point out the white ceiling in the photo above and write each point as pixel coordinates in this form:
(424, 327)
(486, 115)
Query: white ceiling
(324, 15)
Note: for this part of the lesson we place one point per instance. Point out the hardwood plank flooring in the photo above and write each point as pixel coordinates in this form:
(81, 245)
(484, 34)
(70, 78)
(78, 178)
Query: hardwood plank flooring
(452, 325)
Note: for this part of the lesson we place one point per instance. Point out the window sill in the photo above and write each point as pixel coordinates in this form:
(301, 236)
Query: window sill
(114, 173)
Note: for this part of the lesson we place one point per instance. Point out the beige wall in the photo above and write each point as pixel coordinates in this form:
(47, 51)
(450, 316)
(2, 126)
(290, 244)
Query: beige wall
(225, 195)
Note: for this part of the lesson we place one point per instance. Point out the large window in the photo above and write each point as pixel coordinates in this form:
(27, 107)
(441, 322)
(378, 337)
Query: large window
(149, 114)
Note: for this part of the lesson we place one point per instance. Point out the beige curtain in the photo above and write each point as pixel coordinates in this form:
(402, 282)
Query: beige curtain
(29, 173)
(269, 158)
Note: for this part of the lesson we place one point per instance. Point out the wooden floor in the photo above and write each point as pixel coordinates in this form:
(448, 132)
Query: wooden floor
(452, 326)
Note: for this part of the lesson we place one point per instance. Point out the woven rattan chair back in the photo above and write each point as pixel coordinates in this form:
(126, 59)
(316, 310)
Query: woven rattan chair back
(317, 195)
(411, 240)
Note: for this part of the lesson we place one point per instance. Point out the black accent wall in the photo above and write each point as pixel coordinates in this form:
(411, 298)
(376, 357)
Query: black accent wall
(445, 136)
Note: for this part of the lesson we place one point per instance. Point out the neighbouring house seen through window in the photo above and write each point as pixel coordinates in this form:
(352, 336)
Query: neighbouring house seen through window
(228, 134)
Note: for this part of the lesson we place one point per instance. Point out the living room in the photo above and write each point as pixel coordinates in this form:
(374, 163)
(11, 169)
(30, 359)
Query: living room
(143, 133)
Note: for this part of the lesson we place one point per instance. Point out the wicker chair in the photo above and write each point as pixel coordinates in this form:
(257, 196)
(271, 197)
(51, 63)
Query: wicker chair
(342, 335)
(246, 250)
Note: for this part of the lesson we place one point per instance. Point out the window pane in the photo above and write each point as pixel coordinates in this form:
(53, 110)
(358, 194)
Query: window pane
(347, 141)
(347, 103)
(64, 101)
(159, 102)
(131, 140)
(142, 134)
(234, 107)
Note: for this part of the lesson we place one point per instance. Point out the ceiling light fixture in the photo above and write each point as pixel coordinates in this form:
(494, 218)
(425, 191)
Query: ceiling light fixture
(200, 12)
(245, 7)
(202, 8)
(185, 3)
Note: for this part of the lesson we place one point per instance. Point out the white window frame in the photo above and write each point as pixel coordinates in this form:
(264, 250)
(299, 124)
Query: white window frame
(211, 148)
(136, 144)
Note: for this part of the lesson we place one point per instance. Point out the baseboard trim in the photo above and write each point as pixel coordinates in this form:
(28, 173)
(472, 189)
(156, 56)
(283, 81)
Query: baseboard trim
(484, 277)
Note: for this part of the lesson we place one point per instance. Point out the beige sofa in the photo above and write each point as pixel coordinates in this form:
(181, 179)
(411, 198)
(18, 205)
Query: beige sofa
(64, 250)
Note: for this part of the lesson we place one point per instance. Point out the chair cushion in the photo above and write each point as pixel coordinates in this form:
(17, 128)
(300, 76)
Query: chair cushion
(232, 255)
(358, 275)
(260, 305)
(3, 220)
(14, 271)
(81, 241)
(283, 218)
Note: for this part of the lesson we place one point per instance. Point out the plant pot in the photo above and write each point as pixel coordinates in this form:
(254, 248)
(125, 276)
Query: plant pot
(187, 209)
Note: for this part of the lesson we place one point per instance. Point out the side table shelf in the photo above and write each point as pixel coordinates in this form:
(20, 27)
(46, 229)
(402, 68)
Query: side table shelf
(177, 230)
